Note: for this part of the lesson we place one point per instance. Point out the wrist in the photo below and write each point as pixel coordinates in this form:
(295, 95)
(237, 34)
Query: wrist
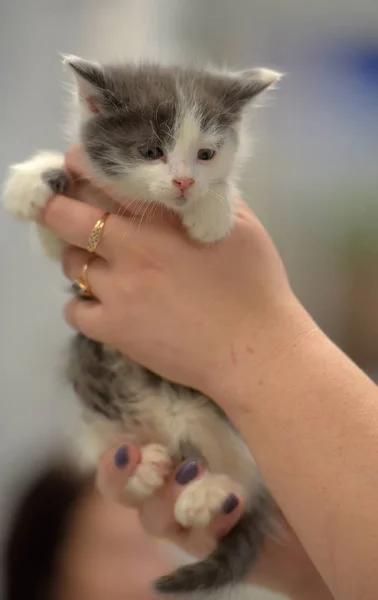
(309, 588)
(256, 353)
(312, 590)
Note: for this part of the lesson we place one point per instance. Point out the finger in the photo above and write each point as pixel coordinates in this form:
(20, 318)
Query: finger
(73, 222)
(73, 261)
(77, 163)
(231, 513)
(115, 468)
(96, 274)
(162, 503)
(205, 538)
(231, 510)
(157, 514)
(87, 317)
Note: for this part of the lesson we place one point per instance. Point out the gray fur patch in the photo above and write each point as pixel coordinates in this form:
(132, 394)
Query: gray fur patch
(142, 105)
(111, 385)
(232, 559)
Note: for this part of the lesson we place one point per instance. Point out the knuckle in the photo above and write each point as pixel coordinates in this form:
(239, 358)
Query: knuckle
(133, 284)
(150, 261)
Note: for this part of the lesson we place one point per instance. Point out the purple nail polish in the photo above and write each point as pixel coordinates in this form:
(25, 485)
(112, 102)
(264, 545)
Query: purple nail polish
(121, 457)
(187, 472)
(230, 504)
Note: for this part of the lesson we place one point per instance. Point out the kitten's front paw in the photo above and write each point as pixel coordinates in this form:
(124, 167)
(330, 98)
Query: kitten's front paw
(32, 183)
(211, 219)
(57, 180)
(208, 233)
(151, 473)
(202, 499)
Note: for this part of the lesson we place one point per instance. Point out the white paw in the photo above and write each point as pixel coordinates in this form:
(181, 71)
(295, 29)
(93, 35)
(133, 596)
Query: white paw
(25, 191)
(151, 473)
(211, 219)
(202, 499)
(207, 233)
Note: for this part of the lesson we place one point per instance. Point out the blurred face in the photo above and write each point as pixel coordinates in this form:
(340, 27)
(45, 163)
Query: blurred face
(108, 556)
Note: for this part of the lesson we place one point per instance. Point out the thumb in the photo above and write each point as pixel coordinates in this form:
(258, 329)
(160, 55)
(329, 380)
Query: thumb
(77, 163)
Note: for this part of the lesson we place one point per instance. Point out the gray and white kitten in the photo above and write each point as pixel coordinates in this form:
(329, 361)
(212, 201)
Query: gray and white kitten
(171, 136)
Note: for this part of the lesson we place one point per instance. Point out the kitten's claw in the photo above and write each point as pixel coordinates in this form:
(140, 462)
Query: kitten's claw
(25, 191)
(151, 473)
(202, 499)
(57, 180)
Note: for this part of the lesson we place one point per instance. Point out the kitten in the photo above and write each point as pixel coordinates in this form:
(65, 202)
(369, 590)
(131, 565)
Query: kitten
(174, 136)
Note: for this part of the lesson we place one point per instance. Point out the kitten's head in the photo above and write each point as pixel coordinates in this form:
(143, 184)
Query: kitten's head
(163, 134)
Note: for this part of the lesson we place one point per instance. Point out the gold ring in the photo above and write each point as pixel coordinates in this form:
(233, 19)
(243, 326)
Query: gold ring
(81, 286)
(96, 233)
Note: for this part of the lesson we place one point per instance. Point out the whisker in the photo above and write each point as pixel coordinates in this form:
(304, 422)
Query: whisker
(153, 211)
(168, 131)
(156, 134)
(149, 204)
(216, 195)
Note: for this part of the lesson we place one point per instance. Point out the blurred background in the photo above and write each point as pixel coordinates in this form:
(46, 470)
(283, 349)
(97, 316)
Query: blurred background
(313, 180)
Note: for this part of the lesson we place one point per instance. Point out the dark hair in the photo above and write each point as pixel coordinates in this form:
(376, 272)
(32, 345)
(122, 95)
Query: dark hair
(37, 532)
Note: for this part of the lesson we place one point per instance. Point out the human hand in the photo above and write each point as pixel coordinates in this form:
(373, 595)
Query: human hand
(191, 313)
(283, 567)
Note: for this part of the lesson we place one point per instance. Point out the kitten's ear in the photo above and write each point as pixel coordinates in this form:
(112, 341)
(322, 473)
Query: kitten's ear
(246, 85)
(91, 83)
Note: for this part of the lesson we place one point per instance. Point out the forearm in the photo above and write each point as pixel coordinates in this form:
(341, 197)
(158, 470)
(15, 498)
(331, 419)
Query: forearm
(311, 590)
(316, 592)
(311, 421)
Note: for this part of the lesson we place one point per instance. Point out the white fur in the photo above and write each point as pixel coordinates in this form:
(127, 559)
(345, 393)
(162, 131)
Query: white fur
(150, 475)
(25, 194)
(202, 499)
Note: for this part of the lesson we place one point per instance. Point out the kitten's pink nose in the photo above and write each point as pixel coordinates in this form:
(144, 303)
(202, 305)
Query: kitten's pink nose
(183, 183)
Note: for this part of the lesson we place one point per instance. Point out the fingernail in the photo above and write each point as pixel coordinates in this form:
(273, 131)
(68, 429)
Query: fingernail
(230, 504)
(121, 457)
(187, 472)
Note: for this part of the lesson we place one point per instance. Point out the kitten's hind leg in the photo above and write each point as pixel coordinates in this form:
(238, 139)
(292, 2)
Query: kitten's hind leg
(29, 187)
(204, 498)
(150, 475)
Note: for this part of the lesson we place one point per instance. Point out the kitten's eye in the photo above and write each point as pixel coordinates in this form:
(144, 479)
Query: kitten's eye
(151, 153)
(205, 154)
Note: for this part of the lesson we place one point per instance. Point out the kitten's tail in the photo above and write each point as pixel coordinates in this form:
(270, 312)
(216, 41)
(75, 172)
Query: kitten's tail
(229, 563)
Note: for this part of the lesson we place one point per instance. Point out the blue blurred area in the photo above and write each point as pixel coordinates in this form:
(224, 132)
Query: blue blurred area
(362, 64)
